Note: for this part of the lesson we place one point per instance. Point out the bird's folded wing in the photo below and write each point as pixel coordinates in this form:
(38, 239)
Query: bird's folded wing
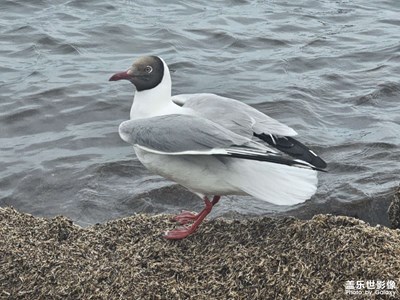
(179, 133)
(191, 135)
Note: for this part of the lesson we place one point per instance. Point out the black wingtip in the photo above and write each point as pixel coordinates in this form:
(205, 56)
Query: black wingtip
(294, 148)
(318, 162)
(269, 157)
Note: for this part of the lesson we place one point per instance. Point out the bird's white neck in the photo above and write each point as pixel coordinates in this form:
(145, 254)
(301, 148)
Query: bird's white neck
(154, 102)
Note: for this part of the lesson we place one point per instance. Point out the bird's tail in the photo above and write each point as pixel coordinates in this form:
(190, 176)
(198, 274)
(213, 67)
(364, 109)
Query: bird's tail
(275, 183)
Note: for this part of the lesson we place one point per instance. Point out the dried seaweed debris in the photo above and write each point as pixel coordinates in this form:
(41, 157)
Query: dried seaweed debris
(262, 258)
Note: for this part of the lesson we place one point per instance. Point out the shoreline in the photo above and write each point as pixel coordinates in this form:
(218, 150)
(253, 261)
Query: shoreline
(257, 258)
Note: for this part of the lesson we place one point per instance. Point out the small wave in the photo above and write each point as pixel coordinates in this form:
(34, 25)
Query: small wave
(48, 40)
(388, 90)
(390, 21)
(6, 69)
(57, 46)
(67, 17)
(51, 93)
(30, 51)
(214, 38)
(319, 42)
(345, 168)
(91, 5)
(20, 116)
(272, 41)
(22, 29)
(67, 49)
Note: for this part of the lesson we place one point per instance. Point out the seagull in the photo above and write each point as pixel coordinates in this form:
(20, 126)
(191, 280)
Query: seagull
(213, 145)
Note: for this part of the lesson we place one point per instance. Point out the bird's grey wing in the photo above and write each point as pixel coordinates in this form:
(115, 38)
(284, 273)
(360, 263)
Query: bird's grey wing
(180, 133)
(233, 114)
(191, 135)
(248, 121)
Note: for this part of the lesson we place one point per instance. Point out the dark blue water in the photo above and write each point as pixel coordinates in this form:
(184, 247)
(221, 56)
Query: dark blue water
(329, 69)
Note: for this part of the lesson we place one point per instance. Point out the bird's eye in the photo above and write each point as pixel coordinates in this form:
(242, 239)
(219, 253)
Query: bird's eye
(148, 69)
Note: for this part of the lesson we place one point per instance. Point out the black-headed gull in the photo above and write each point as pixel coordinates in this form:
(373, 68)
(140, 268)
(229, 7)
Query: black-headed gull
(213, 145)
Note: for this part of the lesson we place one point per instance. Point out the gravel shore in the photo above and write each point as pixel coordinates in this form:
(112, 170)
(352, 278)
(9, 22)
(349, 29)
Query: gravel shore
(260, 258)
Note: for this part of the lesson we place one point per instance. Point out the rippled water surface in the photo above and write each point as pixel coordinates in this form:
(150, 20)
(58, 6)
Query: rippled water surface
(329, 69)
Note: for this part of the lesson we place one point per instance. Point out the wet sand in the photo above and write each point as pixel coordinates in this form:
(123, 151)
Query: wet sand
(258, 258)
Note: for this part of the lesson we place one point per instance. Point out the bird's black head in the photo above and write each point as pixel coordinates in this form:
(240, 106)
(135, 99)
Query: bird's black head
(146, 73)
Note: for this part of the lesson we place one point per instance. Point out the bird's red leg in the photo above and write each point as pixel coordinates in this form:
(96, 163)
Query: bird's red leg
(215, 200)
(182, 232)
(186, 216)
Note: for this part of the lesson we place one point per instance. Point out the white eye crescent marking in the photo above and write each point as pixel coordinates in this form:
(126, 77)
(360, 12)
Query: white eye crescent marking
(148, 69)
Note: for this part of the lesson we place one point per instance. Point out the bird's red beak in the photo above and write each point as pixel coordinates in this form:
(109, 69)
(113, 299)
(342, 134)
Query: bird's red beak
(120, 75)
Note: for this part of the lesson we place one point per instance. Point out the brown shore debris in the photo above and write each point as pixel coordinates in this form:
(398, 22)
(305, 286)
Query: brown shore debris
(327, 257)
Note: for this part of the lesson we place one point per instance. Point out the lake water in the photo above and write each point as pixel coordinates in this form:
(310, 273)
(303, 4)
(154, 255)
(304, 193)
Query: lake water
(329, 69)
